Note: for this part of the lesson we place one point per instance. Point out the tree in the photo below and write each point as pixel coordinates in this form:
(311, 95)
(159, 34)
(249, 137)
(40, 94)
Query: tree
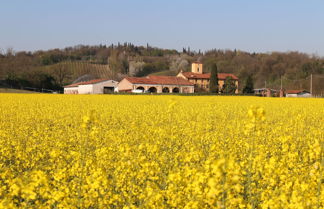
(125, 66)
(61, 74)
(229, 86)
(213, 83)
(114, 63)
(149, 68)
(249, 86)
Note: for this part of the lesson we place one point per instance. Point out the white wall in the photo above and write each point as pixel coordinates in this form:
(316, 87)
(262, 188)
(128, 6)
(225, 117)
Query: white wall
(306, 95)
(291, 95)
(71, 90)
(85, 89)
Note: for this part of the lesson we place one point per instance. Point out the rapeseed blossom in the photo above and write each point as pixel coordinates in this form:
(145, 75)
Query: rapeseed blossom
(118, 151)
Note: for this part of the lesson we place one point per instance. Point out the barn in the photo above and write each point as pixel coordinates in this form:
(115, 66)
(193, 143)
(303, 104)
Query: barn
(97, 86)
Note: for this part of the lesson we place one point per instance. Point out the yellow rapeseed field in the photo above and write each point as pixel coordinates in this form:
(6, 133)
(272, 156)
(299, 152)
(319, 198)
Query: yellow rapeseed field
(144, 151)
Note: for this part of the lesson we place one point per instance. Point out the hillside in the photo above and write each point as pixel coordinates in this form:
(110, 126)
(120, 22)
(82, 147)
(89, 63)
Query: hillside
(74, 69)
(55, 68)
(166, 73)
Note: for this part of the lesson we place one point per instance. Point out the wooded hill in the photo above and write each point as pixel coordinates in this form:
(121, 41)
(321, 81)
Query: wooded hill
(55, 68)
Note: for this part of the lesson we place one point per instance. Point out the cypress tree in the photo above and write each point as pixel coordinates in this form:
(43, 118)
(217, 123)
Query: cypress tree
(213, 82)
(248, 88)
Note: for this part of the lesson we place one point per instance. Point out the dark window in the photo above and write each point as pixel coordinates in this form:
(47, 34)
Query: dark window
(108, 90)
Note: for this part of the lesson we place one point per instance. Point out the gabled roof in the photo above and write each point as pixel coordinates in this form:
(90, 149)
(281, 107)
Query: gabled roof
(87, 82)
(159, 80)
(296, 91)
(221, 76)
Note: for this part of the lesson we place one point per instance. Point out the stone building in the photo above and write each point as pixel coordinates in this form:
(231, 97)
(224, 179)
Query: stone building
(156, 84)
(201, 79)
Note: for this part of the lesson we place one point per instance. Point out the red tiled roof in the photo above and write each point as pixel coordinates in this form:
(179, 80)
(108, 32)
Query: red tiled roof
(87, 82)
(159, 80)
(221, 76)
(295, 91)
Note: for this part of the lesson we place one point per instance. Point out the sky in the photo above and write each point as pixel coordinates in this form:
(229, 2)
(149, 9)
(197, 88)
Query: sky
(247, 25)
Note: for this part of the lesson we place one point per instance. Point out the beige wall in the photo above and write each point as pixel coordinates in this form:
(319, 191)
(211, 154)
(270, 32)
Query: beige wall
(197, 68)
(124, 85)
(182, 89)
(236, 84)
(182, 76)
(204, 83)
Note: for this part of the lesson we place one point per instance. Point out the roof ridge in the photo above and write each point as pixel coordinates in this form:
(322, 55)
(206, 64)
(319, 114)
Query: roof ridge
(93, 81)
(159, 80)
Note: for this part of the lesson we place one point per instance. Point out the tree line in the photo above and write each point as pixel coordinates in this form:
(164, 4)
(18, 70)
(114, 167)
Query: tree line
(48, 69)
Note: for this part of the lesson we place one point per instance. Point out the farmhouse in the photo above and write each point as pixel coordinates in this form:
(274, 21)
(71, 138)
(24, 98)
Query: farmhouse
(298, 93)
(156, 84)
(201, 80)
(98, 86)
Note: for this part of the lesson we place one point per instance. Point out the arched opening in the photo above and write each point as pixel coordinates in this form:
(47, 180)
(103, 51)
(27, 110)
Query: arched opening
(165, 90)
(140, 88)
(175, 90)
(152, 90)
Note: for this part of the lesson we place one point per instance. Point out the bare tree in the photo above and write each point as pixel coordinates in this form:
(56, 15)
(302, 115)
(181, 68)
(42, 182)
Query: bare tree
(61, 73)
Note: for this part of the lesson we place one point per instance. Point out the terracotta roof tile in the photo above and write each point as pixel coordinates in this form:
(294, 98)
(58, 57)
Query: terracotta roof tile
(159, 80)
(295, 91)
(221, 76)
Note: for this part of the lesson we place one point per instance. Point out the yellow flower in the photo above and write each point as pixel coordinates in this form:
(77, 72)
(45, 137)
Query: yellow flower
(144, 151)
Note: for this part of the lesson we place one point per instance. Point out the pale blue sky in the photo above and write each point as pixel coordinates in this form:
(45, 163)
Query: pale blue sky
(249, 25)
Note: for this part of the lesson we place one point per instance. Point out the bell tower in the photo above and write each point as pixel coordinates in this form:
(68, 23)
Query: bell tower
(197, 67)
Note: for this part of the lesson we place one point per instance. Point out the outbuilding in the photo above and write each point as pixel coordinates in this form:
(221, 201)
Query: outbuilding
(97, 86)
(298, 93)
